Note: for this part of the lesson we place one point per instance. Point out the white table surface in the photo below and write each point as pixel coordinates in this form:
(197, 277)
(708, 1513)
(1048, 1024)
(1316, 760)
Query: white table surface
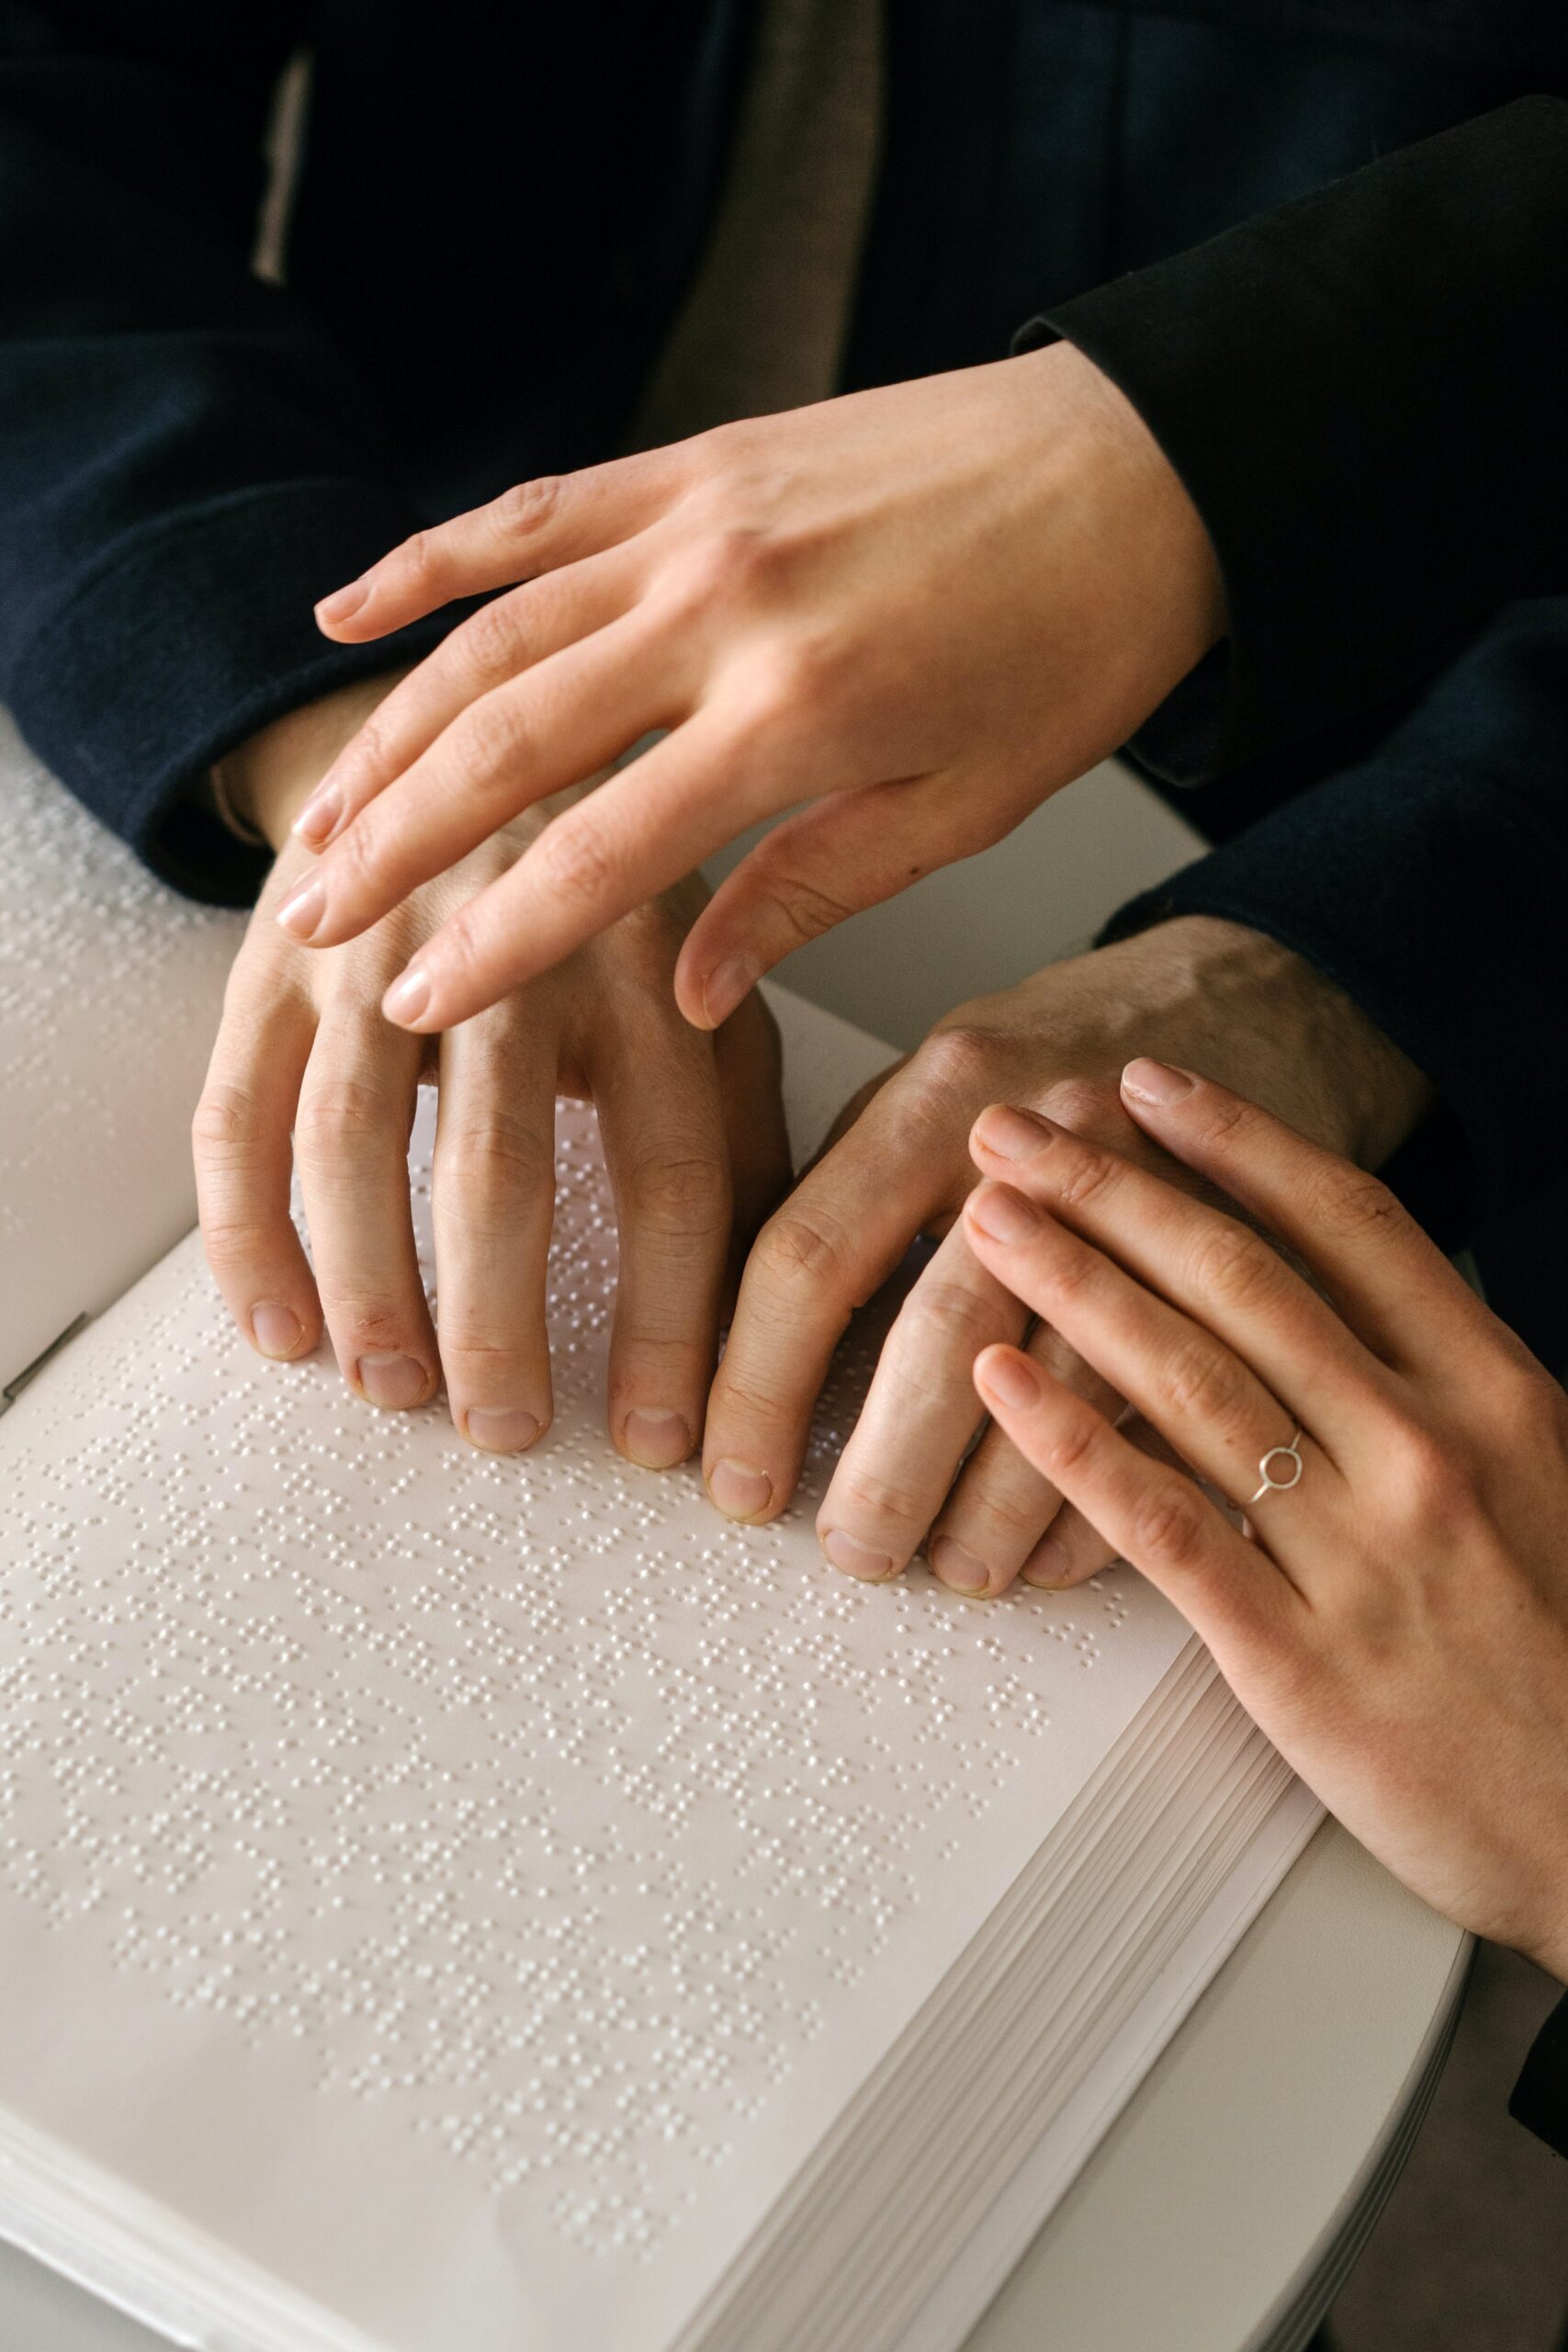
(1226, 2202)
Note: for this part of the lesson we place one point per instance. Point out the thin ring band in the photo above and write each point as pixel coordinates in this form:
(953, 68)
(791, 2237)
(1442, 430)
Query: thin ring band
(1292, 1453)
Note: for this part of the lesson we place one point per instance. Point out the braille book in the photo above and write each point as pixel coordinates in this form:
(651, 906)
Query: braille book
(456, 1904)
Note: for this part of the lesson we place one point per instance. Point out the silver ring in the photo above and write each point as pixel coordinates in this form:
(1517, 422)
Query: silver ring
(1293, 1454)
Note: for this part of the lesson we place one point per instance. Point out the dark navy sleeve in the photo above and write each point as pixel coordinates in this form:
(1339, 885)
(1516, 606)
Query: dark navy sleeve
(1541, 2095)
(184, 464)
(1428, 878)
(1364, 395)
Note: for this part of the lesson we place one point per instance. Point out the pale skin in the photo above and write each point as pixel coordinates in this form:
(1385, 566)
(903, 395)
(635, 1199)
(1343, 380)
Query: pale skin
(1397, 1622)
(306, 1068)
(917, 611)
(907, 1479)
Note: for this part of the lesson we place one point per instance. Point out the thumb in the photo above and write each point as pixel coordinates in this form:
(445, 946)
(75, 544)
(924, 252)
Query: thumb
(833, 859)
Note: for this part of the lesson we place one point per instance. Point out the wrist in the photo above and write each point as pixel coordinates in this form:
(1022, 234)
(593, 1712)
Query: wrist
(1141, 484)
(263, 782)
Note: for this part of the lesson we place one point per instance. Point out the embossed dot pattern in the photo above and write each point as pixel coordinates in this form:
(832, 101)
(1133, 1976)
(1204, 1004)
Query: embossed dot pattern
(544, 1812)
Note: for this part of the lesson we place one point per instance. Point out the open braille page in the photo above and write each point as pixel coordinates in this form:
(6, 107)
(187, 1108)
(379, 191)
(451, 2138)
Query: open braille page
(465, 1891)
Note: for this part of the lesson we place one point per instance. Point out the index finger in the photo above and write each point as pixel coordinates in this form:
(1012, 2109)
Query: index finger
(825, 1252)
(533, 527)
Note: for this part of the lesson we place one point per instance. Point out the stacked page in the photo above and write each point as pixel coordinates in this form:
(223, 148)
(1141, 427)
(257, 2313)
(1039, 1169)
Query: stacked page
(455, 1901)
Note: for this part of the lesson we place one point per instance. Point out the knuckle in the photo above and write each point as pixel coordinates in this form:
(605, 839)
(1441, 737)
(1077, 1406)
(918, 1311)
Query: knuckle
(364, 1318)
(524, 510)
(1083, 1174)
(1350, 1205)
(793, 1254)
(235, 1241)
(494, 1158)
(1202, 1380)
(1433, 1480)
(1069, 1445)
(490, 735)
(576, 863)
(338, 1118)
(1167, 1526)
(490, 642)
(1236, 1268)
(872, 1497)
(680, 1192)
(806, 910)
(957, 1315)
(1083, 1105)
(957, 1063)
(419, 561)
(226, 1125)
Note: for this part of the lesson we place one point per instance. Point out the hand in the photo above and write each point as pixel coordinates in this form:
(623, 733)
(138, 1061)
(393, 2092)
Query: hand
(693, 1130)
(1233, 1000)
(921, 609)
(1398, 1624)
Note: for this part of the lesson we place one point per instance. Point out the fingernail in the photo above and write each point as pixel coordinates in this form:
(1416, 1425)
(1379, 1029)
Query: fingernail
(725, 985)
(494, 1428)
(1047, 1565)
(739, 1491)
(343, 604)
(406, 998)
(300, 915)
(957, 1566)
(658, 1439)
(391, 1381)
(1008, 1376)
(1152, 1082)
(1004, 1215)
(276, 1329)
(319, 818)
(1013, 1135)
(856, 1559)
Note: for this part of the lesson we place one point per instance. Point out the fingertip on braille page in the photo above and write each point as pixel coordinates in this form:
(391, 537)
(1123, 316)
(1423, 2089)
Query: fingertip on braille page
(1048, 1565)
(855, 1558)
(1157, 1082)
(394, 1382)
(501, 1429)
(656, 1439)
(955, 1565)
(741, 1492)
(277, 1330)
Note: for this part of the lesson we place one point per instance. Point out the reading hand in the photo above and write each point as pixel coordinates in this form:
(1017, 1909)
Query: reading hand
(921, 609)
(1202, 989)
(691, 1125)
(1399, 1626)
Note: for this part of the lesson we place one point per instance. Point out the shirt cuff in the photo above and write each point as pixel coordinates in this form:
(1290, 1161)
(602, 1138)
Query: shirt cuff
(1541, 2095)
(191, 635)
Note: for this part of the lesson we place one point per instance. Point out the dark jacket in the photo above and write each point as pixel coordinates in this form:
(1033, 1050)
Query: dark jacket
(498, 210)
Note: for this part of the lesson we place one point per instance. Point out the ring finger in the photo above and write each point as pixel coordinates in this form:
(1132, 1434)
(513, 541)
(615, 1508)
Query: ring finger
(492, 1201)
(350, 1147)
(1194, 1390)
